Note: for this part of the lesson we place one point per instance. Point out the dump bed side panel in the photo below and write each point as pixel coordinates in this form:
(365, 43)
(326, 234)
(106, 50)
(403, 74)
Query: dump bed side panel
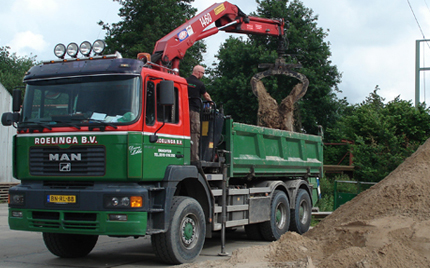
(265, 152)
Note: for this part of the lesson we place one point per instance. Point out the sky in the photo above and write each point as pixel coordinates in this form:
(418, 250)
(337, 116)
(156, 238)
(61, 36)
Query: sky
(372, 42)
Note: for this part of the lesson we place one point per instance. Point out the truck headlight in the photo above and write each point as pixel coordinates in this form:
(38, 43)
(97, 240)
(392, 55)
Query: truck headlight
(16, 199)
(117, 217)
(114, 201)
(17, 214)
(123, 201)
(85, 48)
(60, 51)
(99, 47)
(72, 50)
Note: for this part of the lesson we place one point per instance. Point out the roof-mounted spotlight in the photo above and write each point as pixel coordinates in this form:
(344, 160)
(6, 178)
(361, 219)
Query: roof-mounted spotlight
(72, 50)
(99, 46)
(60, 51)
(85, 48)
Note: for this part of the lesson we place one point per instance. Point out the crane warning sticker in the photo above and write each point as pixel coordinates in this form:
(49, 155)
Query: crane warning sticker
(219, 9)
(185, 33)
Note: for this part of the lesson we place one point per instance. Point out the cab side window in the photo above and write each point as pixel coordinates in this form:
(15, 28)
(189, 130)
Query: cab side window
(150, 103)
(156, 111)
(171, 113)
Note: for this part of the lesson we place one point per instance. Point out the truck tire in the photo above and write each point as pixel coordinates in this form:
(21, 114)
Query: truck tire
(302, 213)
(69, 245)
(279, 217)
(184, 240)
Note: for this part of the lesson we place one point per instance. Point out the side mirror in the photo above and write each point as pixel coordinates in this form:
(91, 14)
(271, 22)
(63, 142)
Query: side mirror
(153, 138)
(167, 93)
(16, 104)
(7, 119)
(167, 98)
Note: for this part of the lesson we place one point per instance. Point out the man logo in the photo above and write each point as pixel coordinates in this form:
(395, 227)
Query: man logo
(65, 167)
(65, 157)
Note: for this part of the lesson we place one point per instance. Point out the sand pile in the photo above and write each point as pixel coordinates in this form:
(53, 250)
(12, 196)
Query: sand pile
(385, 226)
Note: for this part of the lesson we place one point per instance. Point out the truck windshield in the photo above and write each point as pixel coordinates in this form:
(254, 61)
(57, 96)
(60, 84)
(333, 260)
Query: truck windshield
(82, 101)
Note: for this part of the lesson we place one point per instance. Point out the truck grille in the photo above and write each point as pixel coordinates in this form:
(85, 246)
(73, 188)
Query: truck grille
(66, 220)
(74, 161)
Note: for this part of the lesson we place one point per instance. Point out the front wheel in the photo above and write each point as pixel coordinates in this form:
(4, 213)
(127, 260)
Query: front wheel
(279, 217)
(184, 240)
(69, 245)
(302, 213)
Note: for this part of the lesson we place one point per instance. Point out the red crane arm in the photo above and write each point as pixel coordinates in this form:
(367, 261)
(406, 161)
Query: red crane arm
(227, 17)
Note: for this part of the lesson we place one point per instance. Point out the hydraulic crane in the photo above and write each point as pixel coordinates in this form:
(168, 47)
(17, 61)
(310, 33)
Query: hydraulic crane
(227, 17)
(170, 49)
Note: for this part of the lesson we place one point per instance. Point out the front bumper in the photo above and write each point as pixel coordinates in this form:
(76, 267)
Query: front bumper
(78, 222)
(89, 213)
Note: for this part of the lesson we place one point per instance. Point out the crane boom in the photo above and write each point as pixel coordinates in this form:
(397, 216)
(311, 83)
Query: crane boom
(227, 17)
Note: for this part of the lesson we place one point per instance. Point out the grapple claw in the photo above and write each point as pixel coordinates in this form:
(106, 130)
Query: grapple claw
(270, 114)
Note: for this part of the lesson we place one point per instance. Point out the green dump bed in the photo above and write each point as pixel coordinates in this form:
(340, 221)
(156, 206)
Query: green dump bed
(266, 152)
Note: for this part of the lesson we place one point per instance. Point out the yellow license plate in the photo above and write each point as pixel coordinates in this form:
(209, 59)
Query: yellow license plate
(61, 198)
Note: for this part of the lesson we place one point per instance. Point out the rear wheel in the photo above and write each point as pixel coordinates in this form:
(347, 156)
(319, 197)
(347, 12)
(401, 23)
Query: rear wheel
(302, 213)
(69, 245)
(184, 240)
(279, 217)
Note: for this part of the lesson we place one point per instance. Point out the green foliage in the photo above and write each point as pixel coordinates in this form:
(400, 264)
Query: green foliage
(239, 59)
(144, 22)
(326, 201)
(337, 154)
(231, 79)
(13, 68)
(384, 134)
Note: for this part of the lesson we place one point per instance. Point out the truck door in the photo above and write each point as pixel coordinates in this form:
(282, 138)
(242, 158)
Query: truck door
(169, 147)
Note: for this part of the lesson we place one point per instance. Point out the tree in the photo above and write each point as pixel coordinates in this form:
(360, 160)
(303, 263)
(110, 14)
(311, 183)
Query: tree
(384, 135)
(239, 58)
(230, 80)
(144, 22)
(13, 68)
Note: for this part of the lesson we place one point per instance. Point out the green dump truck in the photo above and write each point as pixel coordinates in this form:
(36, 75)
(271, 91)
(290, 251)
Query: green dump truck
(103, 148)
(84, 178)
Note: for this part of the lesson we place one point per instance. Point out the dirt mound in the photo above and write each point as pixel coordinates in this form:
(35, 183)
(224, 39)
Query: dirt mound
(385, 226)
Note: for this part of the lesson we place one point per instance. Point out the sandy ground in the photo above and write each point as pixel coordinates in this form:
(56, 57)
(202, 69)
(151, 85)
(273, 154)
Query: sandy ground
(385, 226)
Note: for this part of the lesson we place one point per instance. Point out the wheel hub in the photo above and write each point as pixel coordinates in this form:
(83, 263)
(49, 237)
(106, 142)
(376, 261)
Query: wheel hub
(280, 216)
(189, 232)
(303, 212)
